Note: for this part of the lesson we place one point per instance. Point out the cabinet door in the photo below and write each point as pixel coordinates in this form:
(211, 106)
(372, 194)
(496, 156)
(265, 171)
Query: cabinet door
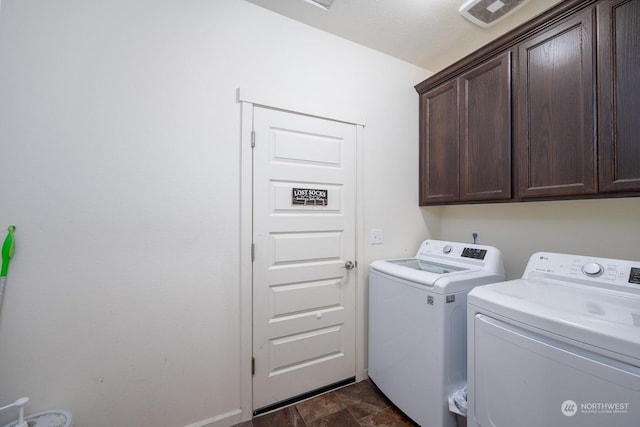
(485, 131)
(555, 139)
(619, 95)
(439, 144)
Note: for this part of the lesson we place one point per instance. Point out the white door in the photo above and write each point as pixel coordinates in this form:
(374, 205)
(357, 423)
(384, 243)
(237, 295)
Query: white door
(303, 296)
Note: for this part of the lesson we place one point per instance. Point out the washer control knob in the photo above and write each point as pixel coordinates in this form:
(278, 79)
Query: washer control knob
(592, 269)
(447, 249)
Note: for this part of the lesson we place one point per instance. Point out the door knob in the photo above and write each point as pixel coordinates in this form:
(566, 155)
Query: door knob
(349, 265)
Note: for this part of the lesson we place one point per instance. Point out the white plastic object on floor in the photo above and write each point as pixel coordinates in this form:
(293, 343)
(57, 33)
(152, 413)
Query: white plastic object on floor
(458, 402)
(20, 405)
(51, 418)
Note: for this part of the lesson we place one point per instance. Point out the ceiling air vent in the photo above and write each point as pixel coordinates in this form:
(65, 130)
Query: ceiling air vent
(487, 12)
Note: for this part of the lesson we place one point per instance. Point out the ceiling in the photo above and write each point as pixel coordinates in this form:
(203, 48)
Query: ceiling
(428, 33)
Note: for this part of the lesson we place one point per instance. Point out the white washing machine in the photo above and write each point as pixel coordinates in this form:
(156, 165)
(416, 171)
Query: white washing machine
(417, 324)
(559, 347)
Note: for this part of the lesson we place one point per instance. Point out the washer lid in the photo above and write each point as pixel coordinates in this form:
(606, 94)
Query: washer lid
(603, 318)
(426, 265)
(453, 281)
(417, 271)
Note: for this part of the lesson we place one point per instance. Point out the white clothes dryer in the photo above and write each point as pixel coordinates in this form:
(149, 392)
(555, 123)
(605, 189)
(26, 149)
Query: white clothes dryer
(417, 324)
(558, 347)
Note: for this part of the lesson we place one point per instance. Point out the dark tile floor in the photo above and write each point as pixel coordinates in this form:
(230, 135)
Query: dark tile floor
(356, 405)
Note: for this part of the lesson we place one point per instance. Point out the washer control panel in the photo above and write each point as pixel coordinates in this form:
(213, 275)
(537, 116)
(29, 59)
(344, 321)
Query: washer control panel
(455, 250)
(582, 268)
(487, 258)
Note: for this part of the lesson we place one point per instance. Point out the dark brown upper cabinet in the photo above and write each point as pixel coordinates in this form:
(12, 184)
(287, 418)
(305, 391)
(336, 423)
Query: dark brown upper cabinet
(439, 144)
(485, 131)
(619, 95)
(555, 139)
(550, 110)
(465, 136)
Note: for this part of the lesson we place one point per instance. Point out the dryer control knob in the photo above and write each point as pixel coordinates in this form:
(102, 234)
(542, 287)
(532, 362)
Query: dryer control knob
(447, 249)
(592, 269)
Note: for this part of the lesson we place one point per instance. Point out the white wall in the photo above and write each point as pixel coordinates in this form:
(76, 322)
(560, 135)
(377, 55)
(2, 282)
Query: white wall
(120, 167)
(605, 228)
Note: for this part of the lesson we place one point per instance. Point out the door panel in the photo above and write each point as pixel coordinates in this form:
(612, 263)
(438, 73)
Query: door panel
(300, 298)
(303, 349)
(304, 298)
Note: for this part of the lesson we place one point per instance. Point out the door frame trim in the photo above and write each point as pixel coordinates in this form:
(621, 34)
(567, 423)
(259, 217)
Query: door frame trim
(248, 99)
(299, 105)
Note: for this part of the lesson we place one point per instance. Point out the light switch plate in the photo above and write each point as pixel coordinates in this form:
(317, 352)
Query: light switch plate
(376, 236)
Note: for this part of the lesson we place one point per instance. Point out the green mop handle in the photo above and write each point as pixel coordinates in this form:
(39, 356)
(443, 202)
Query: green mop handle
(8, 249)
